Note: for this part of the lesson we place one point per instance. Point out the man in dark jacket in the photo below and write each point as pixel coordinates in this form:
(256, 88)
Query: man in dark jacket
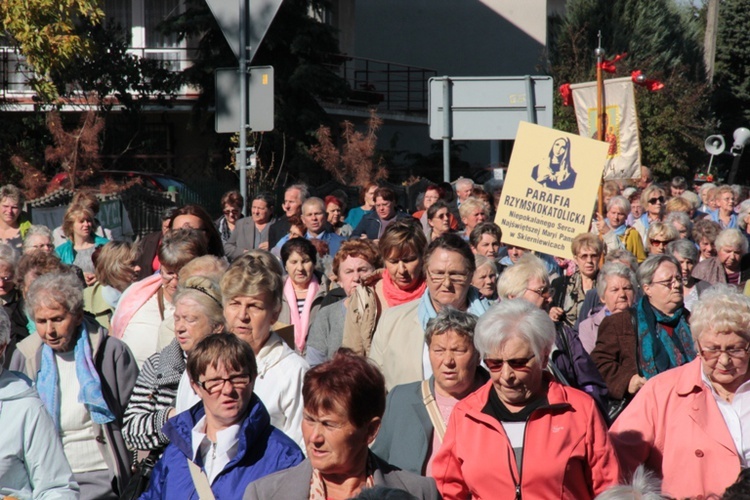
(294, 196)
(373, 225)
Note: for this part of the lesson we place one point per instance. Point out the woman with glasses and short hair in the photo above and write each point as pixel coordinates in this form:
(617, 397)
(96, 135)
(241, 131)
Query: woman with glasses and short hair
(438, 220)
(523, 434)
(689, 425)
(221, 445)
(637, 344)
(653, 203)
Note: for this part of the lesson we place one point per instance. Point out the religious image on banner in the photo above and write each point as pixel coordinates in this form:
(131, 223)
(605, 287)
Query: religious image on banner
(620, 124)
(549, 198)
(555, 171)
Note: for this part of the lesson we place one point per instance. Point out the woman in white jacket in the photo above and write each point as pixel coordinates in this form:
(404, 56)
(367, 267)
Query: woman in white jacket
(32, 462)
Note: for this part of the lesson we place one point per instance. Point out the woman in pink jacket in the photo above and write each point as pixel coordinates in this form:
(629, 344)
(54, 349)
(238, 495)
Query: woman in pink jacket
(523, 435)
(691, 425)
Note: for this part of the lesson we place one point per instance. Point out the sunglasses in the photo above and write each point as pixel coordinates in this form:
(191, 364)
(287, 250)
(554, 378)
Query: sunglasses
(495, 365)
(653, 201)
(658, 243)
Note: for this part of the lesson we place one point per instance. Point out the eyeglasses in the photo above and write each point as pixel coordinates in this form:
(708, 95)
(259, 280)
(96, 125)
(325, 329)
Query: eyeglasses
(231, 212)
(495, 365)
(670, 282)
(543, 291)
(713, 353)
(48, 246)
(454, 278)
(653, 201)
(658, 243)
(214, 385)
(6, 279)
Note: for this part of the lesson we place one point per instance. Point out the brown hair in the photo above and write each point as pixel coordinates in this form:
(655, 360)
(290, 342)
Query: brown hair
(678, 204)
(41, 262)
(113, 264)
(233, 199)
(215, 246)
(587, 240)
(72, 214)
(705, 228)
(349, 382)
(226, 348)
(364, 249)
(180, 246)
(403, 236)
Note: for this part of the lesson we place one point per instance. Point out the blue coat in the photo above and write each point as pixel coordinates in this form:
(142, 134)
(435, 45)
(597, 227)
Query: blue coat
(262, 450)
(67, 253)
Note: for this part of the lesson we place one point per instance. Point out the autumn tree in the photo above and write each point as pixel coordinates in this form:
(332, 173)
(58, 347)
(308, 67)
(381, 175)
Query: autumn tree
(356, 162)
(75, 152)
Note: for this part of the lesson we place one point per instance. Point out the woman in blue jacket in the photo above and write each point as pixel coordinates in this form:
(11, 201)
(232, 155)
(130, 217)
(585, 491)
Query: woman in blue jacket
(228, 441)
(79, 226)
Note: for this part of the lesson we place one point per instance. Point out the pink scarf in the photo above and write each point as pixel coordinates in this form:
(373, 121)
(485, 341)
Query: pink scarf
(396, 296)
(301, 324)
(137, 294)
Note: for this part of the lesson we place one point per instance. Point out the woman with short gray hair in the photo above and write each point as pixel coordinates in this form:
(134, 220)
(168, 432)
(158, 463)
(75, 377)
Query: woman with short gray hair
(558, 431)
(614, 231)
(12, 230)
(687, 255)
(692, 412)
(38, 238)
(637, 344)
(616, 287)
(681, 222)
(485, 277)
(84, 378)
(416, 414)
(32, 461)
(725, 267)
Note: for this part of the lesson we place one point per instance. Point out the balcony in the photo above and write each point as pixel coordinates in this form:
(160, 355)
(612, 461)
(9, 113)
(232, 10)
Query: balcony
(390, 86)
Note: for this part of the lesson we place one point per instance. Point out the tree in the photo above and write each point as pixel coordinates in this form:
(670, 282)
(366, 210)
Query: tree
(731, 98)
(356, 163)
(663, 40)
(302, 51)
(47, 34)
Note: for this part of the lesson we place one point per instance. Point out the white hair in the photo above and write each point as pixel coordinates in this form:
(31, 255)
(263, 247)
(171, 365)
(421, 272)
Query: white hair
(515, 318)
(514, 280)
(644, 486)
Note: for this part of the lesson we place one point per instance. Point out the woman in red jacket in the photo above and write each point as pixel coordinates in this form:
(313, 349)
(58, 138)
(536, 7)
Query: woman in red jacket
(523, 434)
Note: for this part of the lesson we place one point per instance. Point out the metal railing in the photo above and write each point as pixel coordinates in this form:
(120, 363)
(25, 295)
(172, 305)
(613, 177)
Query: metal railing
(14, 73)
(394, 86)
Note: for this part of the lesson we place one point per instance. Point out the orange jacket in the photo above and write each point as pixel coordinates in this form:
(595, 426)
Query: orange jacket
(674, 426)
(566, 453)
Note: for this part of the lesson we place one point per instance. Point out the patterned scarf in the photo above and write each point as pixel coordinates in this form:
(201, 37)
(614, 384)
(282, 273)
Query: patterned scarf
(660, 351)
(395, 296)
(318, 490)
(90, 393)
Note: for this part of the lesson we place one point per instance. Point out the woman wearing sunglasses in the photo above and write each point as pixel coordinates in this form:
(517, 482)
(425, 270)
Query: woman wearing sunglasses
(660, 235)
(653, 199)
(523, 434)
(690, 424)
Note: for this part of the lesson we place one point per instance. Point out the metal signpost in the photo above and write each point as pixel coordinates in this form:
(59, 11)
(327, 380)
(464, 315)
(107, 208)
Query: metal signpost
(244, 27)
(486, 108)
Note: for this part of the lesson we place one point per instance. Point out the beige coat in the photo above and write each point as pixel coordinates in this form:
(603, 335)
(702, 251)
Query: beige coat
(398, 345)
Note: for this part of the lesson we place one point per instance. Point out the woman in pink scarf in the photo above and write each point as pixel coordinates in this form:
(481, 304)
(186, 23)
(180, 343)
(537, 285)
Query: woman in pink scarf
(401, 247)
(303, 292)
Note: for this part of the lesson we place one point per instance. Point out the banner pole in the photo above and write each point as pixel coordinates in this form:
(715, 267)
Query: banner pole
(600, 112)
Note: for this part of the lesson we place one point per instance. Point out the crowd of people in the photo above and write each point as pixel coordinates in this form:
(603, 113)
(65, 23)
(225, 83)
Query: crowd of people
(322, 353)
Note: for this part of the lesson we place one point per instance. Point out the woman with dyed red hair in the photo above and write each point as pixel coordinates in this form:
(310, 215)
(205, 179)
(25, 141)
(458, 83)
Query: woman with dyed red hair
(344, 401)
(335, 215)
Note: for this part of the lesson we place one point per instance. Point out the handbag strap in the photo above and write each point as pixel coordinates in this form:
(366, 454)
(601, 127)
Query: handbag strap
(432, 410)
(200, 481)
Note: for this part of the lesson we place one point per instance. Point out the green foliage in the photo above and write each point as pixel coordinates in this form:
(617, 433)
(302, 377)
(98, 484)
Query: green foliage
(47, 34)
(663, 40)
(731, 97)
